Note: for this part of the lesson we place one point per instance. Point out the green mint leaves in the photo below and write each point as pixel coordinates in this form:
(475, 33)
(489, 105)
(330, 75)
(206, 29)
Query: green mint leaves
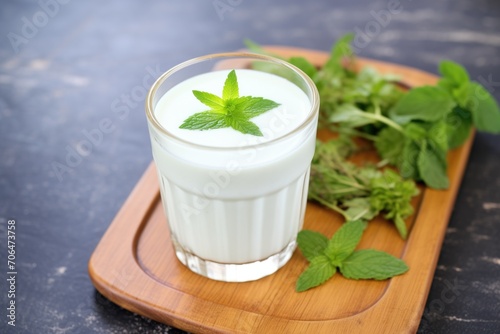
(435, 119)
(426, 103)
(412, 130)
(230, 110)
(326, 257)
(372, 264)
(359, 192)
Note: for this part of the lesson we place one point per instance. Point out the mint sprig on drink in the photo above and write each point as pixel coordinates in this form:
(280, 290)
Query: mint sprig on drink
(230, 110)
(326, 257)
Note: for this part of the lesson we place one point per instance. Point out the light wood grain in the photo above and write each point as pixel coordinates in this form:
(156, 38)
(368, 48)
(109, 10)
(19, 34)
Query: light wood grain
(134, 264)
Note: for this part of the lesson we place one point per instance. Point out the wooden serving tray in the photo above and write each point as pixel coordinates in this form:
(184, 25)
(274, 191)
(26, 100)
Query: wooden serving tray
(135, 266)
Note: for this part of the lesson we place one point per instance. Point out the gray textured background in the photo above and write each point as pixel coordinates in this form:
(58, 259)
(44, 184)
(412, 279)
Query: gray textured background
(89, 58)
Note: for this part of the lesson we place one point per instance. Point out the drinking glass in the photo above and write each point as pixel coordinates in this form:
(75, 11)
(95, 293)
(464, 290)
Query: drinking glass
(234, 212)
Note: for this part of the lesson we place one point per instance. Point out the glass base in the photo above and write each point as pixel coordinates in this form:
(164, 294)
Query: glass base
(243, 272)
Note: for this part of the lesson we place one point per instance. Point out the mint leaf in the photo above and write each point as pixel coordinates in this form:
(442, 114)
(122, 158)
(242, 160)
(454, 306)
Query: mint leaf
(229, 111)
(458, 126)
(455, 73)
(415, 135)
(230, 90)
(304, 65)
(252, 46)
(359, 208)
(210, 100)
(420, 154)
(407, 162)
(350, 115)
(392, 195)
(344, 241)
(319, 271)
(340, 50)
(416, 132)
(205, 121)
(311, 243)
(484, 109)
(401, 226)
(461, 94)
(372, 264)
(471, 96)
(432, 168)
(455, 81)
(389, 144)
(244, 126)
(254, 106)
(438, 136)
(426, 103)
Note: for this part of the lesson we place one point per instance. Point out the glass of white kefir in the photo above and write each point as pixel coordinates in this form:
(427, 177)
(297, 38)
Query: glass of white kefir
(234, 202)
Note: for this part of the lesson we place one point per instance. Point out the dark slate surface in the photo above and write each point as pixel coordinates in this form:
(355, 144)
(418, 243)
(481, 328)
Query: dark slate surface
(89, 62)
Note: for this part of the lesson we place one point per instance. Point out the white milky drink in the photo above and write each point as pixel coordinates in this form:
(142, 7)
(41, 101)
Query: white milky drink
(234, 202)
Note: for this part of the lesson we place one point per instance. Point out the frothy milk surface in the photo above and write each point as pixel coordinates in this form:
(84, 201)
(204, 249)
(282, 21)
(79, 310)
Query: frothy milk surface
(179, 103)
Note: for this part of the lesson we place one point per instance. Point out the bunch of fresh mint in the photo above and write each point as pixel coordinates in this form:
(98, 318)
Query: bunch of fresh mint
(326, 257)
(433, 120)
(412, 130)
(358, 192)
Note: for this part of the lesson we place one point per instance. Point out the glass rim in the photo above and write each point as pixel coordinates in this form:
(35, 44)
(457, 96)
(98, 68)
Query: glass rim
(156, 85)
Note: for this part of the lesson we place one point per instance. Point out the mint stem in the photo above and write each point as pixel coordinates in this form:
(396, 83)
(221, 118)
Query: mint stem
(385, 120)
(329, 205)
